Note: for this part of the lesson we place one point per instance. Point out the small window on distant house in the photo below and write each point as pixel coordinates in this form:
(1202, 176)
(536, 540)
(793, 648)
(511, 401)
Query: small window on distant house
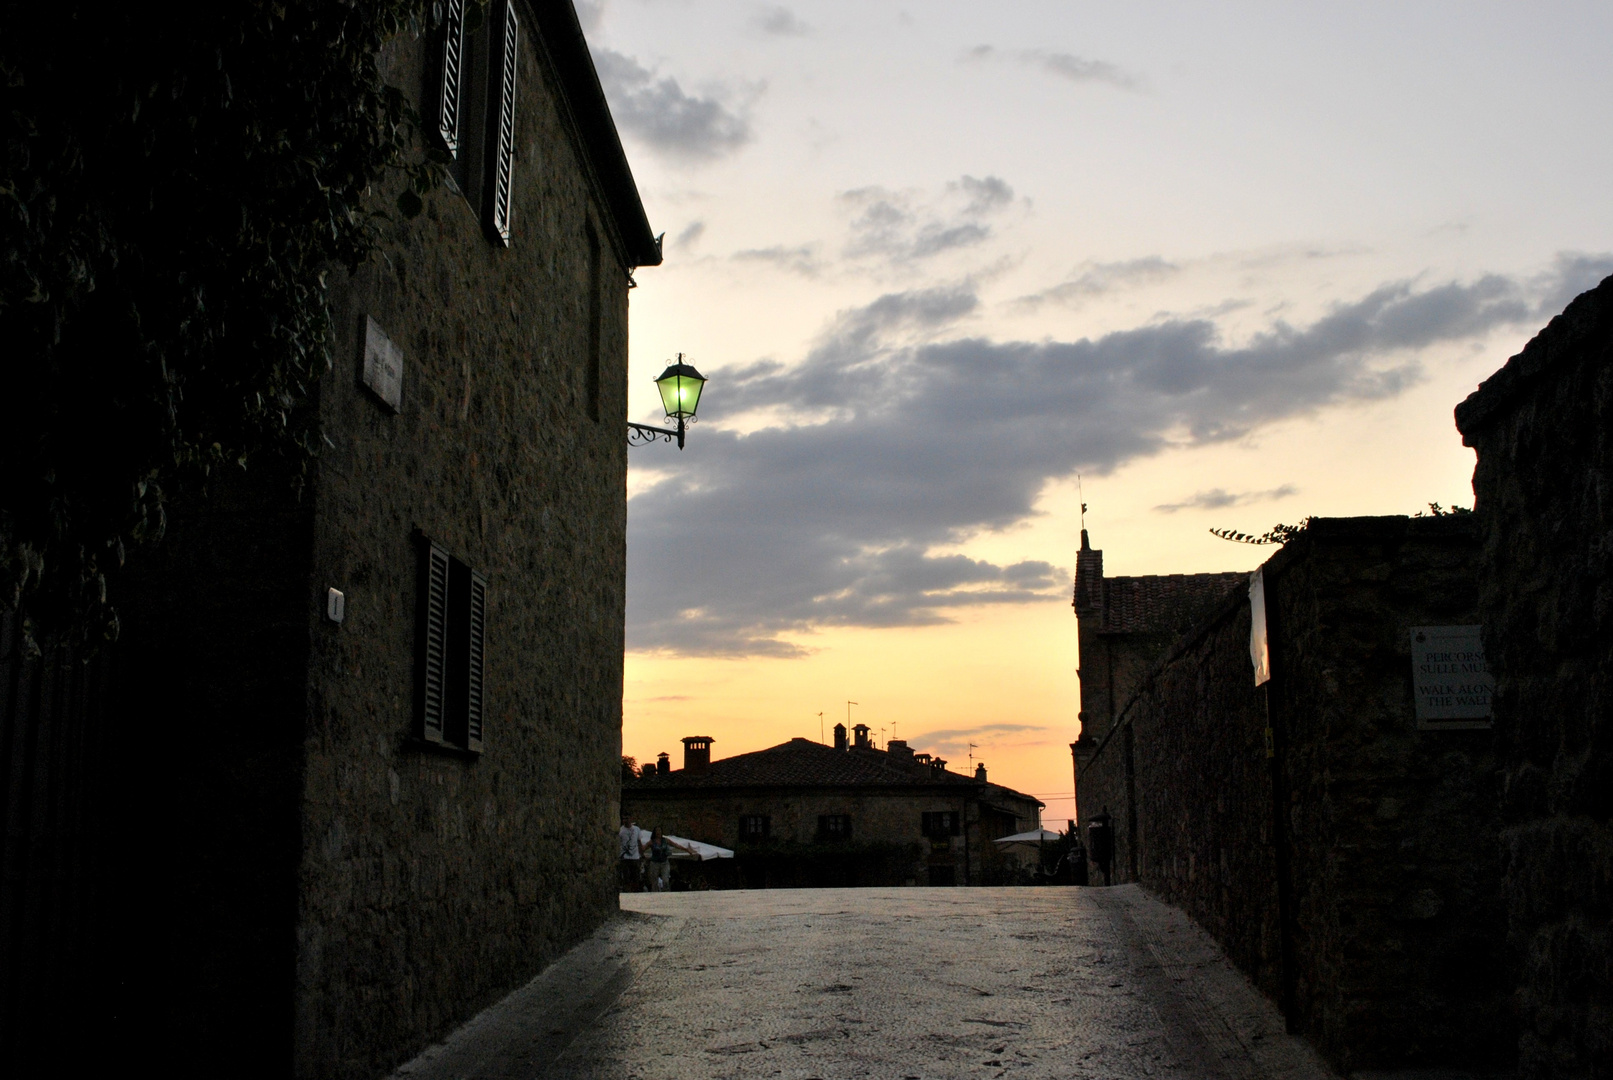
(450, 651)
(755, 827)
(940, 823)
(834, 826)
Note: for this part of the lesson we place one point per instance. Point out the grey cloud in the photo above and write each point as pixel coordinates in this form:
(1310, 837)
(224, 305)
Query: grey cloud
(657, 110)
(1063, 65)
(1221, 499)
(1097, 279)
(590, 13)
(1571, 274)
(802, 260)
(782, 22)
(899, 227)
(953, 743)
(691, 234)
(933, 437)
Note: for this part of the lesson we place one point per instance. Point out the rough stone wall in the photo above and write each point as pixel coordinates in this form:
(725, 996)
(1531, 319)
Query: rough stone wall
(431, 883)
(1395, 915)
(1357, 881)
(1543, 430)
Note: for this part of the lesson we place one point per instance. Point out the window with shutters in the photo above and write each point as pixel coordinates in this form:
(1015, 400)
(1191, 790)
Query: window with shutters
(834, 826)
(447, 76)
(503, 45)
(754, 828)
(941, 823)
(451, 650)
(472, 87)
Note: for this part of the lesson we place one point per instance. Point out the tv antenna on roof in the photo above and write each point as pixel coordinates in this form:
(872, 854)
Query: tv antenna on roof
(820, 725)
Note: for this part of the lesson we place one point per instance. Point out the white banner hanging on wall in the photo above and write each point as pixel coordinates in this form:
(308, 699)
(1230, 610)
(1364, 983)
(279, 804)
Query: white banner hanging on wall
(1259, 649)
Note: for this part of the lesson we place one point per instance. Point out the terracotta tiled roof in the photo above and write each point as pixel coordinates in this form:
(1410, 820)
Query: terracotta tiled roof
(1163, 603)
(804, 763)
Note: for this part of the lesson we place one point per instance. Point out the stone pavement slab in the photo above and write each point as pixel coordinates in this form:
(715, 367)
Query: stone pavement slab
(849, 983)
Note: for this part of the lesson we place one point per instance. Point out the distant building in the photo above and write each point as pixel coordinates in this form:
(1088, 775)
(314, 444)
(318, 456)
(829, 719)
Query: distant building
(1124, 624)
(805, 814)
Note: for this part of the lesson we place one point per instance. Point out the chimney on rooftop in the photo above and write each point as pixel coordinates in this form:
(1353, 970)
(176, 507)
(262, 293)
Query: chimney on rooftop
(840, 736)
(898, 748)
(663, 763)
(980, 771)
(939, 764)
(860, 736)
(697, 753)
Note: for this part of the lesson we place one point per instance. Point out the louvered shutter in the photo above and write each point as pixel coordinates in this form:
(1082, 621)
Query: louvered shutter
(432, 651)
(452, 73)
(501, 131)
(477, 617)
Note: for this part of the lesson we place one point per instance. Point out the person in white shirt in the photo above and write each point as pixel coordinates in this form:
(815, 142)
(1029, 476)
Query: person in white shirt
(631, 861)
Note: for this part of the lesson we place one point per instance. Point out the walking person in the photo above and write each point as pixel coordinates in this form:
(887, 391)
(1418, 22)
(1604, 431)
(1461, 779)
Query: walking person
(660, 853)
(631, 862)
(1101, 842)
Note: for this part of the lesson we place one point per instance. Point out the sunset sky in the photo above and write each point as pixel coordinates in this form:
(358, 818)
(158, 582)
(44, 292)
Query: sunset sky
(946, 265)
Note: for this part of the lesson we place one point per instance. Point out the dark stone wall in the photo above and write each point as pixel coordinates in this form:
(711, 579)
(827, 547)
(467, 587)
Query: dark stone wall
(1353, 875)
(1543, 430)
(432, 883)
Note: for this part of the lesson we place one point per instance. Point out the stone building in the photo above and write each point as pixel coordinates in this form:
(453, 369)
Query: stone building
(805, 814)
(351, 772)
(1124, 625)
(1328, 828)
(1543, 430)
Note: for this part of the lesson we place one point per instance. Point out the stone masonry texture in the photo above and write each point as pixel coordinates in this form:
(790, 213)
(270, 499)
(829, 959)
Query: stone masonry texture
(1353, 875)
(1543, 487)
(288, 883)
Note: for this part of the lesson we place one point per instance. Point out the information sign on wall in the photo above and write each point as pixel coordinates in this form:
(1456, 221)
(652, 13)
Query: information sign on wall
(1450, 677)
(383, 364)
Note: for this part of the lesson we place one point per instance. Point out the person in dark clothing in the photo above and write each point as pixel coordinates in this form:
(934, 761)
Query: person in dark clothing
(1101, 843)
(1076, 857)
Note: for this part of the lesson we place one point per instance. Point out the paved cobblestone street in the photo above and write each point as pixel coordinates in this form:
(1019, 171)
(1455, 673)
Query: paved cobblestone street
(922, 983)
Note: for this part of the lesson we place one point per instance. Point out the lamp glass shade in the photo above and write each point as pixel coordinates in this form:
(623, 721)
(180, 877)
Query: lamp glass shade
(680, 385)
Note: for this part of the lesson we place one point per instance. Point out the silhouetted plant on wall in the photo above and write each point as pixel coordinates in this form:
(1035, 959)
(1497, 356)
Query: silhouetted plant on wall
(178, 182)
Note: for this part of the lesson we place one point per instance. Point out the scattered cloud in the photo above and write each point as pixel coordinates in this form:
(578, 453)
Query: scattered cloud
(802, 259)
(1096, 279)
(902, 227)
(590, 13)
(1570, 274)
(1221, 499)
(1066, 66)
(656, 109)
(780, 22)
(915, 436)
(953, 743)
(690, 235)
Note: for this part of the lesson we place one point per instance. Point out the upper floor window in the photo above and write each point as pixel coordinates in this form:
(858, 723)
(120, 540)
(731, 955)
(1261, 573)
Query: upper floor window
(472, 92)
(834, 826)
(939, 823)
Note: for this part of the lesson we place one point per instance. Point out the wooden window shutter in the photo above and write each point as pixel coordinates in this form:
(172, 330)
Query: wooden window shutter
(477, 619)
(452, 73)
(501, 132)
(432, 652)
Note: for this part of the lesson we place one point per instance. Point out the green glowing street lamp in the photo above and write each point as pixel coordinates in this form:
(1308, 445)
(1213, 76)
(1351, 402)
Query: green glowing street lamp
(680, 385)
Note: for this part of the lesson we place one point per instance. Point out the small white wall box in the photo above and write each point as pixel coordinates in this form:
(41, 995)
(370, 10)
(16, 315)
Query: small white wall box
(335, 605)
(383, 365)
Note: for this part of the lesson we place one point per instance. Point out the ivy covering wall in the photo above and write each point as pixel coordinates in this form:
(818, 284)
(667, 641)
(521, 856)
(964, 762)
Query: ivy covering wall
(177, 185)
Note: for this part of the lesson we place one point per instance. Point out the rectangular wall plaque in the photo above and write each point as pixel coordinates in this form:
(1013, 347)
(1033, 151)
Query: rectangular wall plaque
(1450, 678)
(383, 365)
